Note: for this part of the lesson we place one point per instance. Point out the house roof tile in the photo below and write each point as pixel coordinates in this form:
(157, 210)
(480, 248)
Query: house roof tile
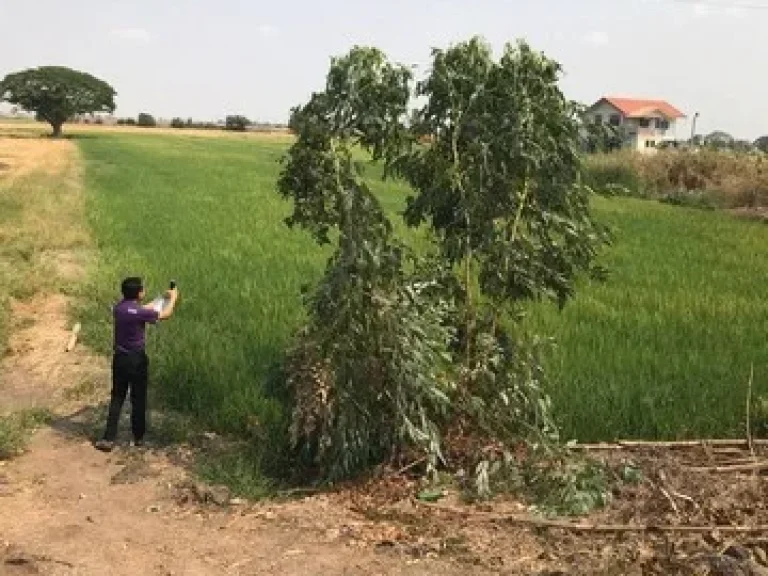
(634, 107)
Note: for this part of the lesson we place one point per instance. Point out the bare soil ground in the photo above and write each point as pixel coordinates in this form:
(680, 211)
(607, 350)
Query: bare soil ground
(37, 371)
(66, 509)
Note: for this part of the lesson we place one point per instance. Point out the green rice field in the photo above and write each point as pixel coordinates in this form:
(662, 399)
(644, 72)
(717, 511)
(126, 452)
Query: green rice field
(663, 349)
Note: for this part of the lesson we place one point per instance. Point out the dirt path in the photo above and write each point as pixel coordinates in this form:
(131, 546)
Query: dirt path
(68, 509)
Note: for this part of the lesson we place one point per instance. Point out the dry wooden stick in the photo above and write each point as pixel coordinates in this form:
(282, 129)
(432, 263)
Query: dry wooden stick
(753, 467)
(24, 559)
(750, 441)
(675, 493)
(687, 498)
(295, 491)
(584, 527)
(728, 451)
(407, 467)
(669, 499)
(667, 444)
(73, 338)
(727, 463)
(664, 492)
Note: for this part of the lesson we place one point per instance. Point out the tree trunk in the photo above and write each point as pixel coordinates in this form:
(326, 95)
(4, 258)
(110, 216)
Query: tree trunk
(56, 129)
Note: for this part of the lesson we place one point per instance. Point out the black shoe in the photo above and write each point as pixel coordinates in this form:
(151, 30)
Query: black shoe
(104, 445)
(138, 443)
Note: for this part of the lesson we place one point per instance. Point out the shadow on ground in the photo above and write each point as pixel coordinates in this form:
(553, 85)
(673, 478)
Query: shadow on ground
(208, 457)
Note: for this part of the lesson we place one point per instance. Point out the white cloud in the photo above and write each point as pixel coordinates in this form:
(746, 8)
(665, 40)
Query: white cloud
(137, 35)
(704, 10)
(597, 38)
(737, 11)
(268, 31)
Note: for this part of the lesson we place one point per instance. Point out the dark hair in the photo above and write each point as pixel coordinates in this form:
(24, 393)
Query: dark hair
(131, 287)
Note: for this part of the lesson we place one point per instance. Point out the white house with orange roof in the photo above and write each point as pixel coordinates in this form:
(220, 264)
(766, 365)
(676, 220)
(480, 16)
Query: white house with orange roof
(644, 124)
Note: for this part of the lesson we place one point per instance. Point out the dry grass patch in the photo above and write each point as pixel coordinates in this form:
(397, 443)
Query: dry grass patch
(43, 238)
(42, 230)
(277, 135)
(706, 178)
(23, 156)
(29, 130)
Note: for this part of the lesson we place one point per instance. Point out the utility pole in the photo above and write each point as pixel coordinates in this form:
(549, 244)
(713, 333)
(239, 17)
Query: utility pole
(693, 127)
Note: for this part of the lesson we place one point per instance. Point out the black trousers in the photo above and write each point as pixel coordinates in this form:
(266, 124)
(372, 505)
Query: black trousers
(130, 371)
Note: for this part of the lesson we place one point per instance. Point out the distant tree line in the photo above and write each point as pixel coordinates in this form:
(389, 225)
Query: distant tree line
(190, 123)
(234, 122)
(720, 140)
(146, 120)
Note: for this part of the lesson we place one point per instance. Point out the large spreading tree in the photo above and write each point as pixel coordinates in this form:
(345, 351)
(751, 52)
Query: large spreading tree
(56, 94)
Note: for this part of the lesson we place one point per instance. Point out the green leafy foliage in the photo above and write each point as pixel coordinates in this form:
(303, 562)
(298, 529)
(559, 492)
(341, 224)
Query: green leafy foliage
(16, 428)
(568, 485)
(373, 319)
(146, 120)
(761, 144)
(56, 94)
(400, 347)
(554, 479)
(178, 123)
(630, 473)
(237, 123)
(601, 137)
(500, 180)
(370, 375)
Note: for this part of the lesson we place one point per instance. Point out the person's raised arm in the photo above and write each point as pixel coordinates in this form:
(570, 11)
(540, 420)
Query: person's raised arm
(167, 312)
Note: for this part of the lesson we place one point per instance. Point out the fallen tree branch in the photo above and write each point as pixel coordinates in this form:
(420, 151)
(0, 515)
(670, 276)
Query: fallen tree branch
(668, 444)
(533, 522)
(407, 467)
(295, 491)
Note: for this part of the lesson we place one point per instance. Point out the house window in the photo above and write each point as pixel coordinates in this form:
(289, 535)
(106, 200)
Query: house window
(615, 120)
(650, 143)
(598, 119)
(644, 122)
(662, 124)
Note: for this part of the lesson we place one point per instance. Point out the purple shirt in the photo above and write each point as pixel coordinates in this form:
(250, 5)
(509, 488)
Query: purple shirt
(131, 319)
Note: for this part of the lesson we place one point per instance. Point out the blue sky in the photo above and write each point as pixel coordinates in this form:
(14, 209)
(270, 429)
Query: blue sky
(206, 58)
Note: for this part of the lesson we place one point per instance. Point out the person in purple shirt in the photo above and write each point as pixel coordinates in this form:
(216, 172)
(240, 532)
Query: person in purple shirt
(130, 364)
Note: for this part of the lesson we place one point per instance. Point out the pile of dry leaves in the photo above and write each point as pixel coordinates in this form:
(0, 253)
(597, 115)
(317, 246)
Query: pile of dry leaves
(695, 508)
